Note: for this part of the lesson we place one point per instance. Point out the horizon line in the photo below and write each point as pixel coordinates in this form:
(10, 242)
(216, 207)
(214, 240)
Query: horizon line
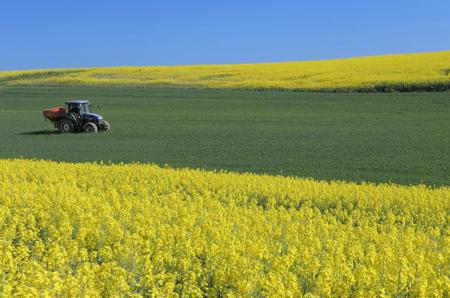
(224, 64)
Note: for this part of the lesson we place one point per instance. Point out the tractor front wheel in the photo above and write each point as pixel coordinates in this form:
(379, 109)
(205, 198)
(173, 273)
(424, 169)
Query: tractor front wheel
(90, 127)
(106, 126)
(65, 126)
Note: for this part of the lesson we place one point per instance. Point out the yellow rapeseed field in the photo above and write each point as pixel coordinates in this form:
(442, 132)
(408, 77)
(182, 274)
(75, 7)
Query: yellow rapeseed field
(405, 72)
(130, 230)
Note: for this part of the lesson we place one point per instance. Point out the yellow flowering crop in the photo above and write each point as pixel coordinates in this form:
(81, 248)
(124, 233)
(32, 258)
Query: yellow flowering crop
(94, 230)
(407, 72)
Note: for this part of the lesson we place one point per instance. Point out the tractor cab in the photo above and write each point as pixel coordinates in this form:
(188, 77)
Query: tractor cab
(78, 107)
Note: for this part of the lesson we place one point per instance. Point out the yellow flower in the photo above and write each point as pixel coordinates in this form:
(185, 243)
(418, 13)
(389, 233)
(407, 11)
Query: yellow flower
(97, 230)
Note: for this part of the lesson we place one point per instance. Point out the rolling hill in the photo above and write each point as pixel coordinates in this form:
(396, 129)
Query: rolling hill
(403, 72)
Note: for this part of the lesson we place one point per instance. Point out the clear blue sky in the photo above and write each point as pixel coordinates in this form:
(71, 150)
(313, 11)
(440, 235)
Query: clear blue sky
(44, 34)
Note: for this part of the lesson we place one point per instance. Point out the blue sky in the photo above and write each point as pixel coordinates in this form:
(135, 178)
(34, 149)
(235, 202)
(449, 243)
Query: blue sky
(47, 34)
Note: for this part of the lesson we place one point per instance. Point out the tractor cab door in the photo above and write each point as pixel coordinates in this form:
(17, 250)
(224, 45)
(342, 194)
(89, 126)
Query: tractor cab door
(74, 110)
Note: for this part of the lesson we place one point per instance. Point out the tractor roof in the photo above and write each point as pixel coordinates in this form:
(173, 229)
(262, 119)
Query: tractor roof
(78, 101)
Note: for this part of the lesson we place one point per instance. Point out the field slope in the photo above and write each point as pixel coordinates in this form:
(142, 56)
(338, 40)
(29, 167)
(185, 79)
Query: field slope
(404, 72)
(87, 230)
(377, 137)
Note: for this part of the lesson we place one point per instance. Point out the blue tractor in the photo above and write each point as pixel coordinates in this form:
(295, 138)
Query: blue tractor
(76, 117)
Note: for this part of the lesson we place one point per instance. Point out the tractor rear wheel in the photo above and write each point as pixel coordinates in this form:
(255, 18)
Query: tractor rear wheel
(90, 127)
(65, 126)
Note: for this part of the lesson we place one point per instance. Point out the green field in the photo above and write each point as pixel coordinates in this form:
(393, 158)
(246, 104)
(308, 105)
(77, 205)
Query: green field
(398, 137)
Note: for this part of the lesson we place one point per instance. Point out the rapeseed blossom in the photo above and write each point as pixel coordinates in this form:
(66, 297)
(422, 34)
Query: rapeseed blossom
(406, 72)
(133, 230)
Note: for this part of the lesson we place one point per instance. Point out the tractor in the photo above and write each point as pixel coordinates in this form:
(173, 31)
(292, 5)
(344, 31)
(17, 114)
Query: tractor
(76, 117)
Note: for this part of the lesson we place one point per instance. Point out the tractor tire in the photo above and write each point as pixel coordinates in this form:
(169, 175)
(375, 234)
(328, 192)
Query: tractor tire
(65, 126)
(106, 126)
(90, 127)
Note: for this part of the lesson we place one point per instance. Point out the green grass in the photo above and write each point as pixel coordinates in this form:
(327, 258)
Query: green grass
(398, 137)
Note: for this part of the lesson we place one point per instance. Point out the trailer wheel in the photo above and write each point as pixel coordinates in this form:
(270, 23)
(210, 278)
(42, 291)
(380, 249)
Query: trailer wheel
(90, 127)
(65, 126)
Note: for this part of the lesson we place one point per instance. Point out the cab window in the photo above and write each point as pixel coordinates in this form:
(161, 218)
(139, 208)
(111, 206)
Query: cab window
(84, 109)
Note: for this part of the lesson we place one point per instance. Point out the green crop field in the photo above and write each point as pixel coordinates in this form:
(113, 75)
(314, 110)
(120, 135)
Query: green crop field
(378, 137)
